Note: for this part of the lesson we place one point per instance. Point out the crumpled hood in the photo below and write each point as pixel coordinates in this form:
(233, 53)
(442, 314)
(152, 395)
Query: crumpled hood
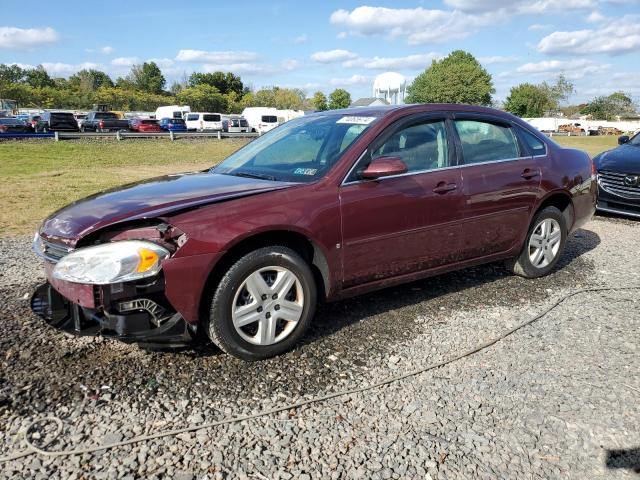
(624, 159)
(148, 199)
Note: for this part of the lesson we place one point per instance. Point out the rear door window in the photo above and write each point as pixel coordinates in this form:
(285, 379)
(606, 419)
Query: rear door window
(211, 118)
(269, 119)
(483, 141)
(191, 117)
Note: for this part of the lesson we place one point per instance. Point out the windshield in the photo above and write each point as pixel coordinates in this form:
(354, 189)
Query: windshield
(301, 150)
(635, 140)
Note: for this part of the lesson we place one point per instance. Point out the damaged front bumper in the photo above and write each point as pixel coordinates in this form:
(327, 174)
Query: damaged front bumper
(139, 320)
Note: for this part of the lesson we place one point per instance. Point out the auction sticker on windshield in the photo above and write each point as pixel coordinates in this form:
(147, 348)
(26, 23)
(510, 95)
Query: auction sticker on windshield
(356, 120)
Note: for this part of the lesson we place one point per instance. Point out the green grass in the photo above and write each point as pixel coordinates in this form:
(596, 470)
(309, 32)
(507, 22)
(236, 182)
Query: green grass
(41, 176)
(591, 145)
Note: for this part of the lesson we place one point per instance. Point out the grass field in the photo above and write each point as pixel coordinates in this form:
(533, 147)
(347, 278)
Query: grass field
(39, 177)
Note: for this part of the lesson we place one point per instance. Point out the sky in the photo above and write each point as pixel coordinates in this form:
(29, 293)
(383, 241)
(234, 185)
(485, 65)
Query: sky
(323, 45)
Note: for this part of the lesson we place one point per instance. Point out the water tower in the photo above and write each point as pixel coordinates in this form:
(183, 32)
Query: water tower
(391, 86)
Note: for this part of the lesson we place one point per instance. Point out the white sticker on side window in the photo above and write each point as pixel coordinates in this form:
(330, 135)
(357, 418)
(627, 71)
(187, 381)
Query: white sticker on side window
(353, 120)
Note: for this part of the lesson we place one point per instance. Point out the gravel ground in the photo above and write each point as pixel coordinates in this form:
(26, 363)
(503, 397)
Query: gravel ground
(557, 399)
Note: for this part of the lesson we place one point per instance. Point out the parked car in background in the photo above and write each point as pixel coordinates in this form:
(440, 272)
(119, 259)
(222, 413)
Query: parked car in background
(237, 125)
(172, 111)
(144, 125)
(56, 122)
(203, 121)
(33, 121)
(14, 125)
(261, 119)
(98, 121)
(328, 205)
(619, 178)
(173, 125)
(80, 118)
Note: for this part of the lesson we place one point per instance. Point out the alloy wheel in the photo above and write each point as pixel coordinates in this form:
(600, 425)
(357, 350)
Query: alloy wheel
(544, 242)
(268, 305)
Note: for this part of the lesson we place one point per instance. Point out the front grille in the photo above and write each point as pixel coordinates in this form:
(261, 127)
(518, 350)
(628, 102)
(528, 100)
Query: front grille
(54, 251)
(614, 182)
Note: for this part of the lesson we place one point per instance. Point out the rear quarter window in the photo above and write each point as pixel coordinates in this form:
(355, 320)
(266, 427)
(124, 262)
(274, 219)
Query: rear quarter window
(536, 146)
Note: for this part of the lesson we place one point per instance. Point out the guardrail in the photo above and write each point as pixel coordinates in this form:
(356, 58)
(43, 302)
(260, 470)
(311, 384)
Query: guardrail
(57, 136)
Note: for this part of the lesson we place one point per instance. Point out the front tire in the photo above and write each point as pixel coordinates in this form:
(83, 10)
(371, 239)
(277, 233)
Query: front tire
(543, 246)
(263, 305)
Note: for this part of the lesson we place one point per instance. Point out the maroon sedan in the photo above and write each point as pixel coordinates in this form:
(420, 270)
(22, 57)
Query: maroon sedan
(144, 125)
(325, 206)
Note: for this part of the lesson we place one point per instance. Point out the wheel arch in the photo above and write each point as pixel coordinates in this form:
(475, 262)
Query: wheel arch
(308, 249)
(562, 201)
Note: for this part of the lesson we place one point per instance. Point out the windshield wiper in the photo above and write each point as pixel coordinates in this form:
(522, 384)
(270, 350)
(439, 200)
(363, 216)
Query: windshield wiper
(259, 176)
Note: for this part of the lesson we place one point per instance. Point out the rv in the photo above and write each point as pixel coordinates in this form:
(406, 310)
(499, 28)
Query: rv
(261, 119)
(172, 111)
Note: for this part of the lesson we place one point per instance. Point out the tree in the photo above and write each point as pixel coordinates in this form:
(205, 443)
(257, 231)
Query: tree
(147, 77)
(89, 80)
(38, 77)
(527, 100)
(339, 98)
(319, 101)
(559, 92)
(224, 82)
(11, 73)
(203, 98)
(457, 78)
(609, 107)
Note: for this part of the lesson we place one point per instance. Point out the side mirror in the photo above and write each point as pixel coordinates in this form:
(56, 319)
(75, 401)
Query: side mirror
(384, 167)
(623, 139)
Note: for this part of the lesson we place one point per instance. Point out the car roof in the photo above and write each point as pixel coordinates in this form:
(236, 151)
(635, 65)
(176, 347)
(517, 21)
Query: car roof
(384, 110)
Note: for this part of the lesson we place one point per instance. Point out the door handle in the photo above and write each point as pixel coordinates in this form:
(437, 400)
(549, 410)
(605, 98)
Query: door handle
(443, 188)
(528, 174)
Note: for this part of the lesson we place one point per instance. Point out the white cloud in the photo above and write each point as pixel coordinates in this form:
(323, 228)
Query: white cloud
(419, 25)
(301, 39)
(289, 64)
(65, 69)
(615, 37)
(107, 50)
(162, 62)
(238, 68)
(595, 17)
(536, 27)
(518, 7)
(125, 61)
(572, 69)
(14, 38)
(331, 56)
(411, 62)
(222, 57)
(352, 80)
(498, 59)
(342, 35)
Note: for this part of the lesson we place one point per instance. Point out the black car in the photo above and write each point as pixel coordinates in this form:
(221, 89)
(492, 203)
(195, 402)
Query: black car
(56, 122)
(14, 125)
(619, 178)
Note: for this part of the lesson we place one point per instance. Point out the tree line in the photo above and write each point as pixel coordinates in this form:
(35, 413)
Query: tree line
(457, 78)
(145, 89)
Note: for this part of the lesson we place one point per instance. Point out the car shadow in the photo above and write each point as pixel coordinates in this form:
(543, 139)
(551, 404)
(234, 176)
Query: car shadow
(625, 458)
(455, 290)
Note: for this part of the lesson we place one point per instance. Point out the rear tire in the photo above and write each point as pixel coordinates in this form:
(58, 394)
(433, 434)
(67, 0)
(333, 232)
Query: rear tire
(263, 304)
(543, 245)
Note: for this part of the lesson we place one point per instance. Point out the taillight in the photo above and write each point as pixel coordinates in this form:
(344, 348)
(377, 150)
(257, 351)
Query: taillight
(3, 128)
(101, 124)
(593, 167)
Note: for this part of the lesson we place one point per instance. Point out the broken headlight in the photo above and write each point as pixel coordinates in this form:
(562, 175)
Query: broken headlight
(115, 262)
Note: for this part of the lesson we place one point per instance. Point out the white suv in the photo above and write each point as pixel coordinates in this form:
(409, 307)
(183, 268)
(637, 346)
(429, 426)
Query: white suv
(201, 121)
